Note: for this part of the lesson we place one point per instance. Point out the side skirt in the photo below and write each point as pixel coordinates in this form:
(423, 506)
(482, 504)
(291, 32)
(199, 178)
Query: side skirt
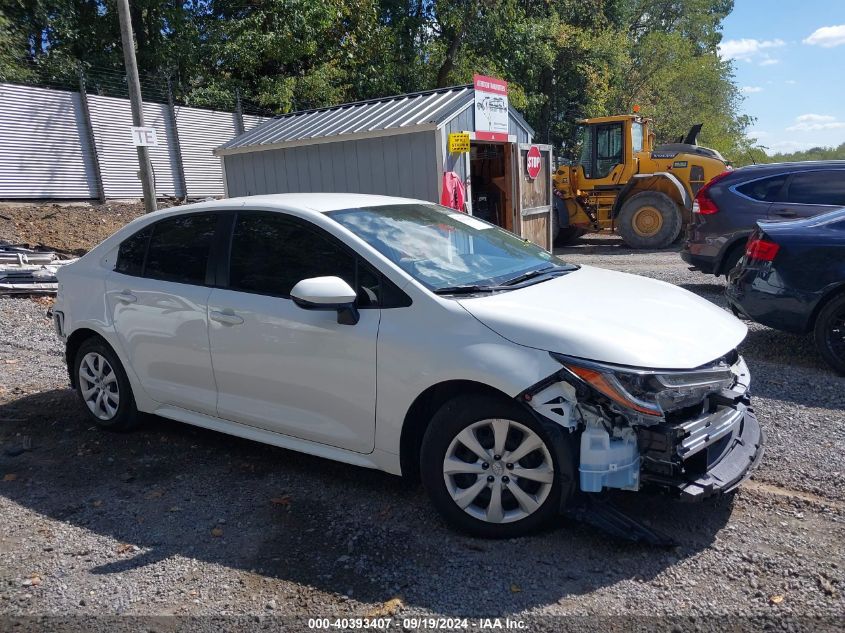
(378, 460)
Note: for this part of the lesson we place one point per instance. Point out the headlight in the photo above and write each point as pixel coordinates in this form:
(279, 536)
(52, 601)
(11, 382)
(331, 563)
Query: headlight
(650, 392)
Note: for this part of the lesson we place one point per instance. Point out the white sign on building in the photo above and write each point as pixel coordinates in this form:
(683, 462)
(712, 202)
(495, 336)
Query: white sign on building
(491, 108)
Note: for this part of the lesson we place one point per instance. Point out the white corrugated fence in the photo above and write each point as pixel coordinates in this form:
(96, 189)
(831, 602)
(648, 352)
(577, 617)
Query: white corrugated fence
(46, 147)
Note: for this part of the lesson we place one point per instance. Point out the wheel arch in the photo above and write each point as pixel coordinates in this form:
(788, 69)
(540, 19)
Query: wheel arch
(832, 293)
(658, 182)
(738, 242)
(74, 342)
(419, 416)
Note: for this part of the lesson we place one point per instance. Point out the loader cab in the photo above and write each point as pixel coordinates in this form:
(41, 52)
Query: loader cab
(608, 148)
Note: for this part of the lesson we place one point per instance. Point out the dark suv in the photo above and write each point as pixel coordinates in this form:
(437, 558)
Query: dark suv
(727, 208)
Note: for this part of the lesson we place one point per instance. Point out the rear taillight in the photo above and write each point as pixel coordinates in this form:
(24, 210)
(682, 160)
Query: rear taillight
(761, 249)
(704, 204)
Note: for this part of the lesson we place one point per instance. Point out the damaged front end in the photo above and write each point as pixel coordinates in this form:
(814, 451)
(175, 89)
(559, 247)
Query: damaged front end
(689, 433)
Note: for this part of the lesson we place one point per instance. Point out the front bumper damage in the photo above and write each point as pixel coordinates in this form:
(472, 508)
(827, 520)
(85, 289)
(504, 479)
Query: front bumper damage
(709, 455)
(694, 453)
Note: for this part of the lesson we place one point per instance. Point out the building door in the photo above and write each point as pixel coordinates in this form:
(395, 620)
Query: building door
(490, 189)
(534, 199)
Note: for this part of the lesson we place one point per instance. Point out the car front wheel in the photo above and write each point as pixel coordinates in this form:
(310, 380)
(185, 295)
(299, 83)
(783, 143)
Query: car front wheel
(102, 384)
(490, 468)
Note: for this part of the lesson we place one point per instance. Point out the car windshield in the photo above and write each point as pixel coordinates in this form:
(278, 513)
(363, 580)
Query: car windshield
(444, 249)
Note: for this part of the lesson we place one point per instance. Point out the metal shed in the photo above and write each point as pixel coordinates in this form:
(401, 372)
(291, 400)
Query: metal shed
(399, 146)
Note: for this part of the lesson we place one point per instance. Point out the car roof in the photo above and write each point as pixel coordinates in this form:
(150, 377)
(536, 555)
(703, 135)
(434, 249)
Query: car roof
(304, 202)
(793, 166)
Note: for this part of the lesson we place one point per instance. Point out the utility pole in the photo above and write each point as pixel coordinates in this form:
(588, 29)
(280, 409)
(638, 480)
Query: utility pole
(145, 168)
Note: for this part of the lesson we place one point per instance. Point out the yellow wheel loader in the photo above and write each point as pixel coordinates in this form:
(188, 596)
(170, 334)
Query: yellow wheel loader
(622, 182)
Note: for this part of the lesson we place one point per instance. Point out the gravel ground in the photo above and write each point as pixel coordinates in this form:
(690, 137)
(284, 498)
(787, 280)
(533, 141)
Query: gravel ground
(175, 520)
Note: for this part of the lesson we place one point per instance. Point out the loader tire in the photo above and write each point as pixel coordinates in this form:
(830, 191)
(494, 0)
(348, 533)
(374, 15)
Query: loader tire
(649, 220)
(563, 235)
(567, 236)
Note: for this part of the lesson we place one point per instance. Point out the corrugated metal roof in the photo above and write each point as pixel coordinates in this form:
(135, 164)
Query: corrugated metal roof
(408, 112)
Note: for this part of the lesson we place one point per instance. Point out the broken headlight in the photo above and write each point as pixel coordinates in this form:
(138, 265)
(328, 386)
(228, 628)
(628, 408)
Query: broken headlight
(647, 391)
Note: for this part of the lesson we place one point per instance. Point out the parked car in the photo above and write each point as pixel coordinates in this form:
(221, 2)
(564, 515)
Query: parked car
(727, 208)
(792, 278)
(400, 335)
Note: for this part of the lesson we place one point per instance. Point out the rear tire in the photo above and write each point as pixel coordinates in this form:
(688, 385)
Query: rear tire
(829, 333)
(649, 220)
(566, 235)
(732, 258)
(477, 493)
(569, 235)
(103, 386)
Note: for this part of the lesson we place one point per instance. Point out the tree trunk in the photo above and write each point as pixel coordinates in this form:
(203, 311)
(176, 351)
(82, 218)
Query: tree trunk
(454, 46)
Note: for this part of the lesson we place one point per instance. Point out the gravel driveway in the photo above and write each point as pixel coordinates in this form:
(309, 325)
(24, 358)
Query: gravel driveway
(176, 520)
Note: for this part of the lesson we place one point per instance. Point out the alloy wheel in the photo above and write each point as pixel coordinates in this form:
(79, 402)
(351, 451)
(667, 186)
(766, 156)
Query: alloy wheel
(836, 335)
(99, 386)
(498, 471)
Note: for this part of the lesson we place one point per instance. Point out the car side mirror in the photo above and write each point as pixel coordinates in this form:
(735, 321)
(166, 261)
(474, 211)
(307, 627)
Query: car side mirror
(327, 293)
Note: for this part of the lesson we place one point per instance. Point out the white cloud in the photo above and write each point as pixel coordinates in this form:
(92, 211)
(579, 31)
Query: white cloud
(769, 61)
(787, 147)
(814, 122)
(827, 36)
(746, 49)
(751, 89)
(815, 118)
(790, 82)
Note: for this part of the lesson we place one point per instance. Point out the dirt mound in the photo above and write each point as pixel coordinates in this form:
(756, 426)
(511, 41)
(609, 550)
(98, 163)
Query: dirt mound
(71, 229)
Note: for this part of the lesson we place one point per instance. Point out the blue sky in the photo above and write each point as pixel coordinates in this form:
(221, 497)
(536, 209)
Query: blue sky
(789, 60)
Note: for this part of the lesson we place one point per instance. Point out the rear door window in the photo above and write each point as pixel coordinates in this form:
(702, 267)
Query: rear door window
(179, 248)
(130, 256)
(818, 188)
(764, 189)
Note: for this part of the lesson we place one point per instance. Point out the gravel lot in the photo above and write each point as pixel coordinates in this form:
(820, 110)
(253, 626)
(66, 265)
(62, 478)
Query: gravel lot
(172, 519)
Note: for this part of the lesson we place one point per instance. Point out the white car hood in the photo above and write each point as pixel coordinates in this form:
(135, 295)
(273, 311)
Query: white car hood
(613, 317)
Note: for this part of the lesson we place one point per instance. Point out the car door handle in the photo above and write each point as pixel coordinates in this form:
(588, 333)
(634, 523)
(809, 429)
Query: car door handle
(785, 213)
(229, 318)
(126, 297)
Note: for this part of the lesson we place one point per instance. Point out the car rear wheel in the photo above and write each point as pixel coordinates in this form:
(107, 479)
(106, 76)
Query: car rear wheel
(102, 384)
(830, 333)
(649, 220)
(490, 468)
(732, 258)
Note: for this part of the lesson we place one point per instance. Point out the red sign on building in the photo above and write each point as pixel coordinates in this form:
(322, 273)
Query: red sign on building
(533, 162)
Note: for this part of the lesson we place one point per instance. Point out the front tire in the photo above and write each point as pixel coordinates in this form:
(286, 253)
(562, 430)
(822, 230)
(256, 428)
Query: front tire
(103, 386)
(490, 468)
(829, 333)
(649, 220)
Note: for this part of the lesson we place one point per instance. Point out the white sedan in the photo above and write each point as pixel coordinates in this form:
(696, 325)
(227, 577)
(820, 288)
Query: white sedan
(400, 335)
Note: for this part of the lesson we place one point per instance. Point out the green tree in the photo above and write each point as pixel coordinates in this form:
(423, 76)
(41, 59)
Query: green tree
(564, 59)
(13, 66)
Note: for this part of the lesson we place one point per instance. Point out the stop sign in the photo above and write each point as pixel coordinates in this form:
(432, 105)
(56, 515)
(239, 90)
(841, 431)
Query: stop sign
(533, 162)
